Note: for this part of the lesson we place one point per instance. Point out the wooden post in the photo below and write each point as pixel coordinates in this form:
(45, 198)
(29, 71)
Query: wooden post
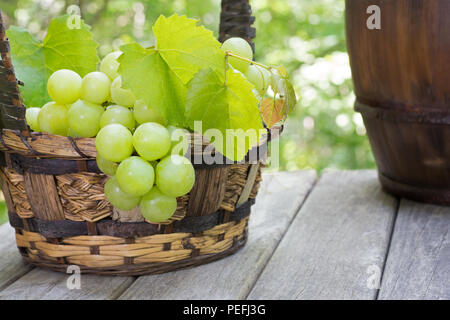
(208, 192)
(236, 20)
(43, 196)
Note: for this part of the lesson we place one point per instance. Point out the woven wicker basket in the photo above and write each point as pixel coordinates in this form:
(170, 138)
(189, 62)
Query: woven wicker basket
(54, 193)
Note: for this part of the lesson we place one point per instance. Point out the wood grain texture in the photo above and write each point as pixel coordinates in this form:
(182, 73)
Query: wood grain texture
(208, 191)
(342, 230)
(401, 75)
(43, 196)
(12, 265)
(418, 265)
(277, 203)
(251, 178)
(41, 284)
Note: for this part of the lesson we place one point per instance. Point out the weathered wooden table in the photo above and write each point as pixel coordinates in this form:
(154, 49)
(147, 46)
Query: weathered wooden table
(336, 237)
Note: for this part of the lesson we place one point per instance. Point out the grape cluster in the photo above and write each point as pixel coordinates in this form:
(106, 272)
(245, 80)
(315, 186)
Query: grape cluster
(135, 147)
(143, 158)
(153, 178)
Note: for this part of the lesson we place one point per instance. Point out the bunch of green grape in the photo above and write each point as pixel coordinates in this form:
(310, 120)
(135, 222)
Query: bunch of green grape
(143, 158)
(146, 168)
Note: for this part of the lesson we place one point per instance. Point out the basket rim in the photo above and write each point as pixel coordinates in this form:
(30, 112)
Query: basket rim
(46, 145)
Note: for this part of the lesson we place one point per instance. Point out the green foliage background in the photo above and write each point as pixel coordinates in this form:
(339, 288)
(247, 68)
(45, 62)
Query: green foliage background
(307, 37)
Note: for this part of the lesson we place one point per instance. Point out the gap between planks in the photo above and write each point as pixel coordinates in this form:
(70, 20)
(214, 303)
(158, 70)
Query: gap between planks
(418, 264)
(44, 284)
(282, 237)
(387, 250)
(232, 278)
(339, 237)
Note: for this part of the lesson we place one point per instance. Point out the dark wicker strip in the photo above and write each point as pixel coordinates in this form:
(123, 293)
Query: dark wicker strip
(4, 46)
(68, 228)
(402, 113)
(9, 87)
(12, 117)
(2, 27)
(62, 166)
(30, 148)
(50, 166)
(75, 147)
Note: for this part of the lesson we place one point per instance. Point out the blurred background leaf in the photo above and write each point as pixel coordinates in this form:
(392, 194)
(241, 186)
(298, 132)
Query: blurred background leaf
(307, 37)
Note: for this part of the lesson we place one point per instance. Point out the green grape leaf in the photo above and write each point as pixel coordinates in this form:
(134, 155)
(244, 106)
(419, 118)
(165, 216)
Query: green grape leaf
(28, 60)
(289, 97)
(62, 48)
(187, 47)
(224, 106)
(148, 75)
(283, 90)
(159, 74)
(272, 111)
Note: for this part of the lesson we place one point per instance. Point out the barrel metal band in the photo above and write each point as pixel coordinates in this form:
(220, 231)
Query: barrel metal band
(401, 113)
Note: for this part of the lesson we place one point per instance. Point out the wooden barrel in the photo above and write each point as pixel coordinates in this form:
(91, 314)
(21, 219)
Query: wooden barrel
(401, 74)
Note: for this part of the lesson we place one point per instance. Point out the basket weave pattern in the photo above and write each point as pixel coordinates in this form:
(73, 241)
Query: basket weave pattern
(54, 193)
(108, 253)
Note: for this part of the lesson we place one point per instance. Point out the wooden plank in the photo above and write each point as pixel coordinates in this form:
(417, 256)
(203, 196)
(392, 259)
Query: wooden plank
(12, 265)
(41, 284)
(418, 264)
(277, 203)
(336, 244)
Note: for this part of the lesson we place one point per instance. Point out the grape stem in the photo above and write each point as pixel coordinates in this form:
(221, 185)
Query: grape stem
(228, 53)
(226, 68)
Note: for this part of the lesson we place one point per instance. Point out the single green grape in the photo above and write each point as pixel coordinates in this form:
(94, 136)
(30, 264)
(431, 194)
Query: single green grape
(118, 198)
(84, 118)
(259, 77)
(64, 86)
(151, 141)
(157, 207)
(106, 166)
(144, 113)
(31, 116)
(240, 47)
(120, 96)
(110, 65)
(175, 176)
(114, 142)
(53, 119)
(71, 133)
(96, 87)
(135, 176)
(118, 114)
(180, 141)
